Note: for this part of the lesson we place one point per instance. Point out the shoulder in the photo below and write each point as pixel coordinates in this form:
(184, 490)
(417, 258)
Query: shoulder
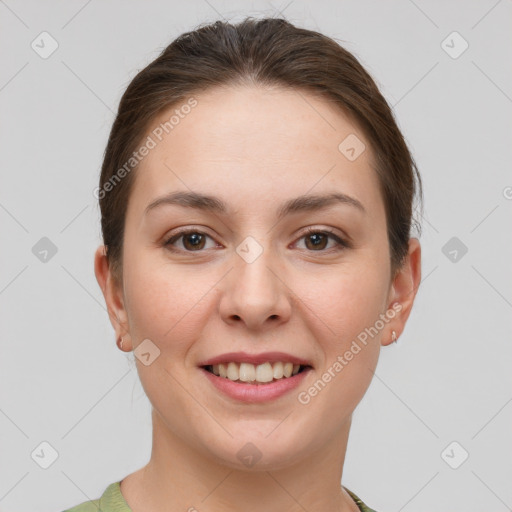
(86, 506)
(360, 504)
(110, 501)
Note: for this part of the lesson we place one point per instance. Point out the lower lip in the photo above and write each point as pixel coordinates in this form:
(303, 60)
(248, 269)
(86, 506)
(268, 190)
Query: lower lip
(256, 393)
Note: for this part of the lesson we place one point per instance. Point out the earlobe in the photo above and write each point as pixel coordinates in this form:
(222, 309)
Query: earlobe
(403, 291)
(112, 294)
(124, 339)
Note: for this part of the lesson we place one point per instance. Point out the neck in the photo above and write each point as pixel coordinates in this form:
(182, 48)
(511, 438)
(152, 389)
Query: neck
(180, 477)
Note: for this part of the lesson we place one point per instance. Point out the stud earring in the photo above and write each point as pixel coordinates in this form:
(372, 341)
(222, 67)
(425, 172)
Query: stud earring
(120, 342)
(394, 338)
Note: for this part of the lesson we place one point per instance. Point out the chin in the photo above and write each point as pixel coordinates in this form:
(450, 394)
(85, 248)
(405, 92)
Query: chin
(259, 453)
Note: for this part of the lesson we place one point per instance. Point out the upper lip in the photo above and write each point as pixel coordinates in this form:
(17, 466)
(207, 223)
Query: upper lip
(264, 357)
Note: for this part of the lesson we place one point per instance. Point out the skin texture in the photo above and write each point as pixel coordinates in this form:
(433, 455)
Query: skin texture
(254, 148)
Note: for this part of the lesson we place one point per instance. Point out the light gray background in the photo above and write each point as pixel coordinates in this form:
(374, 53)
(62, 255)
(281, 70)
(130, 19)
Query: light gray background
(64, 381)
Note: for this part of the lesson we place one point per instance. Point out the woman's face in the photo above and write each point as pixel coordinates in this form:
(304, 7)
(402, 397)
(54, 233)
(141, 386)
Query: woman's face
(251, 279)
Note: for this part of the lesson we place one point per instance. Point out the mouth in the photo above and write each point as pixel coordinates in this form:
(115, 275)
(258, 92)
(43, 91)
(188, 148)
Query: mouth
(262, 374)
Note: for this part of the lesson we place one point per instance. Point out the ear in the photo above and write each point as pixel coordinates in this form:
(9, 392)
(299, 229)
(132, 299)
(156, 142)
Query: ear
(112, 292)
(403, 291)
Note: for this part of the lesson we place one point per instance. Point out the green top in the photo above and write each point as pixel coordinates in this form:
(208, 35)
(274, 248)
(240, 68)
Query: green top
(113, 501)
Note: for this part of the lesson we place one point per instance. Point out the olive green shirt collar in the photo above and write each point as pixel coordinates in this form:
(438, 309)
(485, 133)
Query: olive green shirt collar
(113, 501)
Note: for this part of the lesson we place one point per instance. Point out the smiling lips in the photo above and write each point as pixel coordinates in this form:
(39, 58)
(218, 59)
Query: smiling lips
(255, 368)
(247, 372)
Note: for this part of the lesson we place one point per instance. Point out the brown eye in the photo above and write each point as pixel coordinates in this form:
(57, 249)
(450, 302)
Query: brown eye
(318, 241)
(191, 241)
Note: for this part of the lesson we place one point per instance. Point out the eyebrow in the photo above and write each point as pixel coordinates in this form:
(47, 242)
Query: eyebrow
(304, 203)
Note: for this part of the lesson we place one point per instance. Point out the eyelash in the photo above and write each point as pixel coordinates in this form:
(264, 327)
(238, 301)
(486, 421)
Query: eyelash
(341, 243)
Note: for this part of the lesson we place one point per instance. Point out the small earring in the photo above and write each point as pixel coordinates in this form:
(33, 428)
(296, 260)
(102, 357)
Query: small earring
(393, 337)
(120, 342)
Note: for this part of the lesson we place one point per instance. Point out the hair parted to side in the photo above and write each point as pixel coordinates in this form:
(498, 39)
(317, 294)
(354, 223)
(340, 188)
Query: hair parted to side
(267, 52)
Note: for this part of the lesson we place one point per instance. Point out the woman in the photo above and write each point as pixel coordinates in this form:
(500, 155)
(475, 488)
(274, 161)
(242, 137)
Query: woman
(256, 198)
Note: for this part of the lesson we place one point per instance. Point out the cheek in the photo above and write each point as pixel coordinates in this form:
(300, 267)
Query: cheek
(345, 300)
(342, 315)
(168, 309)
(166, 304)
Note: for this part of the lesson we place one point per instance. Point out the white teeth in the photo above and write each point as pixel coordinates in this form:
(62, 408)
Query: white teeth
(288, 369)
(264, 372)
(278, 370)
(247, 372)
(233, 372)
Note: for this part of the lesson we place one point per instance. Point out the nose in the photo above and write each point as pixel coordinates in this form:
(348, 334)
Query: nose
(255, 294)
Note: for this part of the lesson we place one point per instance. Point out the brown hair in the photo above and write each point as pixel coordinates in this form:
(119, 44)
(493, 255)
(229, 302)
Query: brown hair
(269, 52)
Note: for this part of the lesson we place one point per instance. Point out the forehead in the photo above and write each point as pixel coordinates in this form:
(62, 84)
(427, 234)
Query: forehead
(252, 142)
